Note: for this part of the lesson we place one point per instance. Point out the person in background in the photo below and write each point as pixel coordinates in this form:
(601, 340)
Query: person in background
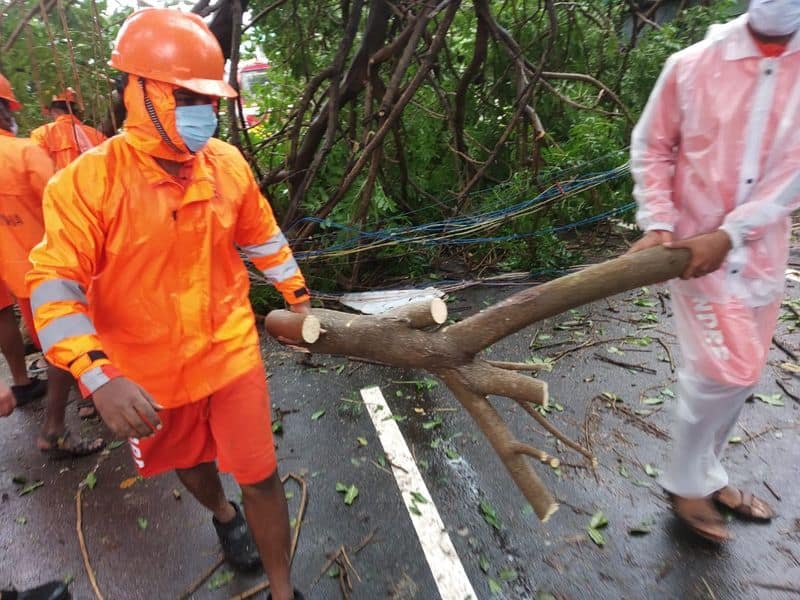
(26, 170)
(140, 290)
(66, 138)
(716, 163)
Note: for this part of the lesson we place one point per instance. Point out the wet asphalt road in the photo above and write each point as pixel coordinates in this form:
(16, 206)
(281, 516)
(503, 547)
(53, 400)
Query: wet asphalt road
(145, 543)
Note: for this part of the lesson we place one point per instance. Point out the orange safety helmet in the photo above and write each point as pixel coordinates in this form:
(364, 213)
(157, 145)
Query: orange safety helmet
(68, 95)
(175, 47)
(6, 93)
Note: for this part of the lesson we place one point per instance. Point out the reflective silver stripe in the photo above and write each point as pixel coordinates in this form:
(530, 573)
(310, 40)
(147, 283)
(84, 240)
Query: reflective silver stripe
(94, 378)
(282, 271)
(57, 290)
(65, 327)
(268, 248)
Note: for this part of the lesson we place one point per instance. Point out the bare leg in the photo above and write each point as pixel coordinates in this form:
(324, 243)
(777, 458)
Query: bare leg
(59, 384)
(12, 346)
(203, 483)
(268, 518)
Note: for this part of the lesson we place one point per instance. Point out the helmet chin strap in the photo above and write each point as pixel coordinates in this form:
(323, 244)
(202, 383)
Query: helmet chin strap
(151, 111)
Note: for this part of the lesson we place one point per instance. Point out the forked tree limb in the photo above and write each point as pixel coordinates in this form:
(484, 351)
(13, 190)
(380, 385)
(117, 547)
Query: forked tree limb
(399, 339)
(504, 444)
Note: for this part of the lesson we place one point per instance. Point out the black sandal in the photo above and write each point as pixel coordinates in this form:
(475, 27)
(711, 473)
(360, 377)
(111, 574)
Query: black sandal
(53, 590)
(60, 448)
(25, 394)
(237, 542)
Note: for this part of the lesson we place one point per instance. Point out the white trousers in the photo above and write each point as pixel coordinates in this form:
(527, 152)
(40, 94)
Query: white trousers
(724, 347)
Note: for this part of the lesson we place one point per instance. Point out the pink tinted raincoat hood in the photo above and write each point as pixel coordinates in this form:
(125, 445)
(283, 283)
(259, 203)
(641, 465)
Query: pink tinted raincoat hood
(718, 146)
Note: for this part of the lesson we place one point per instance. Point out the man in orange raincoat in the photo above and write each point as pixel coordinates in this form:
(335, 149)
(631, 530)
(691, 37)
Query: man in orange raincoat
(66, 138)
(140, 291)
(26, 170)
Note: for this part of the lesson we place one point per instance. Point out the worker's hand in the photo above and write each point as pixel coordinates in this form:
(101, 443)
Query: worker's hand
(7, 401)
(708, 253)
(304, 308)
(651, 239)
(127, 409)
(301, 308)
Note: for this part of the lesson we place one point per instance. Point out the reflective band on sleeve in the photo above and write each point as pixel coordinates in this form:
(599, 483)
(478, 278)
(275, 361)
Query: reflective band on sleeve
(281, 272)
(268, 248)
(57, 290)
(65, 327)
(94, 378)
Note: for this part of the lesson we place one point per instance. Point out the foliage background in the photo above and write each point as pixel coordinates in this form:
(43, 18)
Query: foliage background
(420, 177)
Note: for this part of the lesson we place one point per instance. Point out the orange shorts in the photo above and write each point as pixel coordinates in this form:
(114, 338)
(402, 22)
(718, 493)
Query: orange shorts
(233, 425)
(7, 299)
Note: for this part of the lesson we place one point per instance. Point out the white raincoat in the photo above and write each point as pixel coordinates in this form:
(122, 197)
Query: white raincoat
(718, 147)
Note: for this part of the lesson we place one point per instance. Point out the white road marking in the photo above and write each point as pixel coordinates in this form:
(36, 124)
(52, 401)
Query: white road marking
(446, 567)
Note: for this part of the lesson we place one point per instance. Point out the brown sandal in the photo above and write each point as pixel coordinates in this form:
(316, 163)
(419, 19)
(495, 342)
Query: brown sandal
(702, 520)
(747, 506)
(63, 447)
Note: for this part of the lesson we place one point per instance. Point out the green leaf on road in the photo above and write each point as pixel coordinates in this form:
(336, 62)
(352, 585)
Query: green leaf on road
(221, 579)
(362, 441)
(116, 444)
(642, 528)
(737, 439)
(599, 520)
(31, 488)
(277, 427)
(651, 470)
(21, 520)
(419, 498)
(623, 470)
(451, 454)
(350, 495)
(433, 423)
(771, 399)
(91, 480)
(507, 575)
(415, 510)
(596, 536)
(494, 587)
(341, 488)
(652, 401)
(142, 523)
(668, 392)
(490, 514)
(318, 415)
(334, 572)
(483, 563)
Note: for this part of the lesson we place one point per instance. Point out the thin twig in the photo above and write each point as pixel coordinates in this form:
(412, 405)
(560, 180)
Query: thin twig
(669, 354)
(625, 365)
(771, 491)
(84, 552)
(187, 593)
(780, 587)
(786, 391)
(365, 542)
(783, 348)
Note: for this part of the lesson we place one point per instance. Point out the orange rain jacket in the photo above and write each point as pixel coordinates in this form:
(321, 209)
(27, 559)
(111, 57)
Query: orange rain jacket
(66, 138)
(140, 272)
(23, 176)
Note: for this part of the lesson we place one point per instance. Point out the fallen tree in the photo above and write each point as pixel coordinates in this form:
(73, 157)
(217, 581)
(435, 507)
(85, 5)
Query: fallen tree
(412, 337)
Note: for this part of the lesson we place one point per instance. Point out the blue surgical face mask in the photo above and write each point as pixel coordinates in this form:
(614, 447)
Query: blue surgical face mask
(774, 17)
(196, 124)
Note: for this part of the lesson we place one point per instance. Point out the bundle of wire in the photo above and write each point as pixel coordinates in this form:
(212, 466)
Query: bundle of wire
(465, 229)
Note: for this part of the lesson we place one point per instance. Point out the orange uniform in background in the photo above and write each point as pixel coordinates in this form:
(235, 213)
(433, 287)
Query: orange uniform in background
(26, 168)
(66, 138)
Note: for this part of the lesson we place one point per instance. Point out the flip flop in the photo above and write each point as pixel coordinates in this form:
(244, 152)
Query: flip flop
(61, 449)
(38, 367)
(704, 521)
(86, 409)
(25, 394)
(747, 506)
